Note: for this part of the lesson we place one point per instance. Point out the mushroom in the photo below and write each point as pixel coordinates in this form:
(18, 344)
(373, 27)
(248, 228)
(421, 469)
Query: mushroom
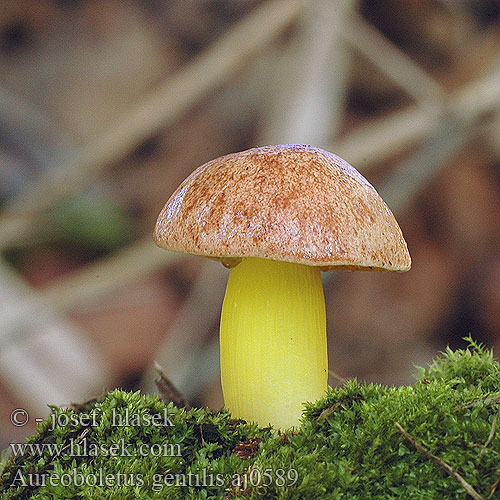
(276, 216)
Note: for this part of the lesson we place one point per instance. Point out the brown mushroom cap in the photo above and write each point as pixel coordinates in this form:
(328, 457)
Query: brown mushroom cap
(290, 202)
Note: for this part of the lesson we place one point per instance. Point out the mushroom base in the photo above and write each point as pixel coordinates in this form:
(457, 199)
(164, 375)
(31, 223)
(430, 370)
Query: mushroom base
(273, 341)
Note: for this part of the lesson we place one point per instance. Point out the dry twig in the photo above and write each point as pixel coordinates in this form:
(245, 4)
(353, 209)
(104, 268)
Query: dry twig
(486, 401)
(168, 392)
(490, 437)
(338, 377)
(393, 61)
(328, 411)
(494, 486)
(452, 472)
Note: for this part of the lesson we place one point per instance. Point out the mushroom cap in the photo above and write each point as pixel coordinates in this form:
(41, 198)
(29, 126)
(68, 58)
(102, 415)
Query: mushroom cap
(291, 203)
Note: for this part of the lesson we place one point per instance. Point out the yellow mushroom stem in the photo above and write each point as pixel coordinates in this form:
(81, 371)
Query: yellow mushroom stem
(273, 341)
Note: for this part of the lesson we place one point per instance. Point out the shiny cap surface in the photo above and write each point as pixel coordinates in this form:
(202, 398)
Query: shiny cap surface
(289, 202)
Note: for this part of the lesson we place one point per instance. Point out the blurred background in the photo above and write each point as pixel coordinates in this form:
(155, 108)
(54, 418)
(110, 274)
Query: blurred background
(106, 106)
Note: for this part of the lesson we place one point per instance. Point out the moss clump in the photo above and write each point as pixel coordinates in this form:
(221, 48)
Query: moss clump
(348, 446)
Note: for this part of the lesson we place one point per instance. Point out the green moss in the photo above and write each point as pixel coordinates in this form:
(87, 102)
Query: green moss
(347, 448)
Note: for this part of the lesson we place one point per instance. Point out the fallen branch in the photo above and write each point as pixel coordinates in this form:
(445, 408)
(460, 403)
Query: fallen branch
(452, 472)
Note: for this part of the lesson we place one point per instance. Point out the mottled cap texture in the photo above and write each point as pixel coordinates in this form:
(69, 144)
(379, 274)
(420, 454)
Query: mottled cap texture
(291, 203)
